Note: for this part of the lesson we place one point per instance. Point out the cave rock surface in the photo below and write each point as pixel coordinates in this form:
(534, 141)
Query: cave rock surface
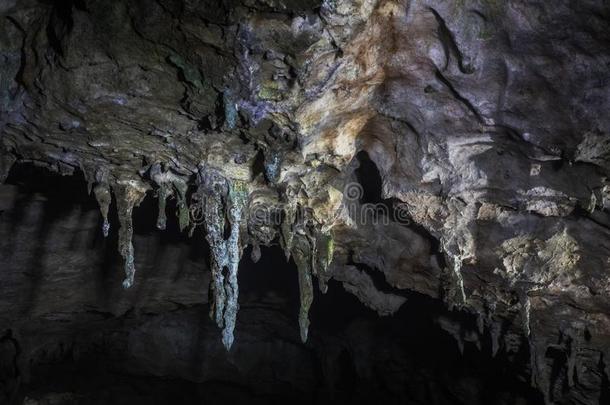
(456, 151)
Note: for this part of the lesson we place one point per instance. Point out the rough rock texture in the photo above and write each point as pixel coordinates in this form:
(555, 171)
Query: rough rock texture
(454, 149)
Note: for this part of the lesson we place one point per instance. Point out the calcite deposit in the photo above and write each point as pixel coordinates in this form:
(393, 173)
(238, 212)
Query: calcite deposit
(458, 150)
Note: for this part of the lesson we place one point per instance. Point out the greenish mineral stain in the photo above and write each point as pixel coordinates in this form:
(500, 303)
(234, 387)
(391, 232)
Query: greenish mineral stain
(270, 91)
(230, 110)
(190, 73)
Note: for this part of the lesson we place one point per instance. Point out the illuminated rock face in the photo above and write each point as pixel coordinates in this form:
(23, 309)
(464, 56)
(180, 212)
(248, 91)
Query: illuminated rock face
(454, 149)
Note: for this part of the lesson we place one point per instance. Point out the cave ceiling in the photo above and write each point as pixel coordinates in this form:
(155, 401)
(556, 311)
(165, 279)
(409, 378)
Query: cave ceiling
(460, 149)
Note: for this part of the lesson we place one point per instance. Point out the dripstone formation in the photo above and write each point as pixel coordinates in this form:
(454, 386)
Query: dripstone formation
(457, 150)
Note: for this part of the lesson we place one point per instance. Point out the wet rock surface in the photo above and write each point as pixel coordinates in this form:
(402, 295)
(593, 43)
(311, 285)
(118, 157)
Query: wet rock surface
(452, 151)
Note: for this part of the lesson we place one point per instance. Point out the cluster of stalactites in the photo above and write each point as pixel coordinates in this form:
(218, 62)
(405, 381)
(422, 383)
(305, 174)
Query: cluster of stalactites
(129, 193)
(220, 200)
(223, 199)
(223, 204)
(312, 251)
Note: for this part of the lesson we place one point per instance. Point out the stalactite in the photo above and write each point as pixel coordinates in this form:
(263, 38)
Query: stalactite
(457, 271)
(537, 361)
(102, 194)
(313, 251)
(455, 255)
(181, 188)
(89, 175)
(170, 184)
(457, 262)
(222, 198)
(213, 190)
(158, 175)
(255, 255)
(238, 197)
(103, 197)
(288, 221)
(324, 257)
(286, 231)
(162, 194)
(129, 194)
(301, 252)
(458, 242)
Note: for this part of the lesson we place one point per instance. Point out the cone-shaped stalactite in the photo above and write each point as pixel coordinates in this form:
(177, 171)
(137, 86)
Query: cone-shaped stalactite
(213, 190)
(104, 198)
(181, 188)
(255, 256)
(162, 194)
(238, 198)
(324, 256)
(223, 199)
(101, 190)
(312, 251)
(128, 195)
(301, 252)
(286, 231)
(287, 225)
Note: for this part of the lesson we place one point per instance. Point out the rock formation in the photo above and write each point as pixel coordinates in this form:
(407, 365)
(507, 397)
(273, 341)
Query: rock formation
(457, 151)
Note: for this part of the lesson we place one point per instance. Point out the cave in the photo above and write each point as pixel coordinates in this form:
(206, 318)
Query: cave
(304, 201)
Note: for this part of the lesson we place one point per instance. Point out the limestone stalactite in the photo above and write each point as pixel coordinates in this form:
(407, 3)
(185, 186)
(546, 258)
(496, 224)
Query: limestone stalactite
(237, 201)
(301, 253)
(213, 189)
(129, 194)
(104, 198)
